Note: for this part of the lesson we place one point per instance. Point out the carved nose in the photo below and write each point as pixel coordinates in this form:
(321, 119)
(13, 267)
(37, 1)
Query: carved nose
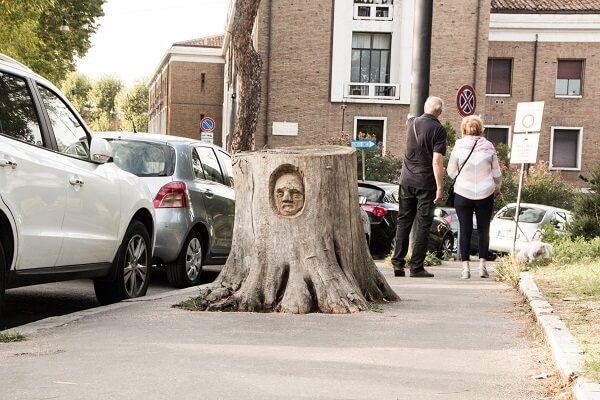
(287, 196)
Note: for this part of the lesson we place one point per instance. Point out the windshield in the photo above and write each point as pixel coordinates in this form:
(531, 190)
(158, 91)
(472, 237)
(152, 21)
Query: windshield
(372, 195)
(142, 158)
(526, 214)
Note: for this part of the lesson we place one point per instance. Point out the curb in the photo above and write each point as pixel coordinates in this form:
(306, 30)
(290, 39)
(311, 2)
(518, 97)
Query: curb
(61, 320)
(565, 350)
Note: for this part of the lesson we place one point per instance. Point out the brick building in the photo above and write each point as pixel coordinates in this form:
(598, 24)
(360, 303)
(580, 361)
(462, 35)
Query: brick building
(345, 65)
(186, 87)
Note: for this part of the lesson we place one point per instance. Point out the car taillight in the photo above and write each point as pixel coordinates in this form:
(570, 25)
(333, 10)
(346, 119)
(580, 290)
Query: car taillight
(537, 235)
(171, 195)
(375, 210)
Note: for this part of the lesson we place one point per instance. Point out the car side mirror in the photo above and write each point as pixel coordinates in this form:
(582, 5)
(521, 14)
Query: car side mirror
(100, 150)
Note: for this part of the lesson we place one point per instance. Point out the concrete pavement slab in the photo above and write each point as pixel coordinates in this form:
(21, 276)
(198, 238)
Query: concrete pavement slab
(447, 339)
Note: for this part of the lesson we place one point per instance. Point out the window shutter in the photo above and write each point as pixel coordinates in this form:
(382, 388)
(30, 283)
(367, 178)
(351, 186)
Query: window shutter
(569, 69)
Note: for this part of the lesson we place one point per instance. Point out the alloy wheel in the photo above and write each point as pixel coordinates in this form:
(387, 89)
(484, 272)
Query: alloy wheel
(135, 272)
(193, 259)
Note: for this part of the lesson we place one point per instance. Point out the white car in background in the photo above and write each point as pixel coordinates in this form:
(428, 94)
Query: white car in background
(531, 219)
(66, 211)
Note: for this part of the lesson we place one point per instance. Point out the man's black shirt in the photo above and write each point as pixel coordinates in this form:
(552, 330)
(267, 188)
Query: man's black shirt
(417, 168)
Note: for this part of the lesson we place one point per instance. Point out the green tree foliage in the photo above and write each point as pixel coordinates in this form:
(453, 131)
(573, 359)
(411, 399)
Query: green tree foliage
(540, 186)
(132, 105)
(77, 88)
(378, 166)
(586, 210)
(103, 97)
(30, 32)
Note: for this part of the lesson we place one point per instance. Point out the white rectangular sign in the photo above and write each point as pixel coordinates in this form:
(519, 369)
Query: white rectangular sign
(529, 117)
(207, 137)
(285, 128)
(524, 148)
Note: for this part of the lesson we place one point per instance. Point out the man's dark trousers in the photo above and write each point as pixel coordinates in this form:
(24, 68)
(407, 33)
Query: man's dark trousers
(413, 203)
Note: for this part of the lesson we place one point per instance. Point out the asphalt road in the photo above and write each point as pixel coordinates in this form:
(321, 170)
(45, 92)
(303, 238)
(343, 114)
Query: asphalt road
(33, 303)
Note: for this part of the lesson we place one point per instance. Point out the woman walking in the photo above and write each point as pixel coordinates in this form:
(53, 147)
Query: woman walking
(474, 164)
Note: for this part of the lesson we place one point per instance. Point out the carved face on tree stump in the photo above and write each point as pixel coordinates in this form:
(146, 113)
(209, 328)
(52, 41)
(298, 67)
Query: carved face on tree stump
(289, 194)
(287, 190)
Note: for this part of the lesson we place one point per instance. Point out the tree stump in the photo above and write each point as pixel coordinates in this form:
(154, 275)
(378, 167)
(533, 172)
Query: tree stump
(298, 242)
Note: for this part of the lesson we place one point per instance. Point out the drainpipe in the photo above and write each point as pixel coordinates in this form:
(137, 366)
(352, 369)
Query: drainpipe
(268, 91)
(535, 57)
(476, 45)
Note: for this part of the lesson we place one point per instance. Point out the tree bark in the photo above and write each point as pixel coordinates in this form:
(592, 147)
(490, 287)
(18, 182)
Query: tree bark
(302, 249)
(249, 67)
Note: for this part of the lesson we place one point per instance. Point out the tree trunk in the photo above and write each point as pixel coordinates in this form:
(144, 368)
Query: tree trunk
(249, 67)
(298, 242)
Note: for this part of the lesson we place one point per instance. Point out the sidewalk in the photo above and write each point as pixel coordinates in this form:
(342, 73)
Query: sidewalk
(447, 339)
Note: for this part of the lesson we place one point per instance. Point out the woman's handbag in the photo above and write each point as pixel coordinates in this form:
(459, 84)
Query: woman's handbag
(450, 198)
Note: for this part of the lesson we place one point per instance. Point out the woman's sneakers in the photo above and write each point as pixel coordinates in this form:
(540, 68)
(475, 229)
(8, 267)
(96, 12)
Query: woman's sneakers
(483, 272)
(466, 272)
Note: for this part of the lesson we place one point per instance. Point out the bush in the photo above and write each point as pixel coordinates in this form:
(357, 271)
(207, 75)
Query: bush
(568, 250)
(378, 167)
(586, 210)
(540, 186)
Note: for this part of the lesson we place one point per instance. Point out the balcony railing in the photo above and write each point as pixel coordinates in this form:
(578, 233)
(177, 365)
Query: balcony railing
(383, 91)
(375, 12)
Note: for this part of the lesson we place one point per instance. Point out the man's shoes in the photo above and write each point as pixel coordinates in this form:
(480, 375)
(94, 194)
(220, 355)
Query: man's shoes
(399, 272)
(483, 273)
(421, 274)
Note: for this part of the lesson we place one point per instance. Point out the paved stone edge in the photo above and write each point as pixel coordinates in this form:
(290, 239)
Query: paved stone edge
(565, 350)
(61, 320)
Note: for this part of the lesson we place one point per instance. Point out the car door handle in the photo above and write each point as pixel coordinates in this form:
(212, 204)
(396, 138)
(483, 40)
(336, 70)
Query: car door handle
(75, 181)
(8, 163)
(208, 193)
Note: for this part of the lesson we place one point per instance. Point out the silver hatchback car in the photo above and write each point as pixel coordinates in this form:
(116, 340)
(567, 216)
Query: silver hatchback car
(192, 185)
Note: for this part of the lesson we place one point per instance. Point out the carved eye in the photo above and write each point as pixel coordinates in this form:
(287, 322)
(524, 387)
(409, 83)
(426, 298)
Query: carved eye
(279, 193)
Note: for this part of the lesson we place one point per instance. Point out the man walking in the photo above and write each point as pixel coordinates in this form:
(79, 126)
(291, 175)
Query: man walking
(421, 186)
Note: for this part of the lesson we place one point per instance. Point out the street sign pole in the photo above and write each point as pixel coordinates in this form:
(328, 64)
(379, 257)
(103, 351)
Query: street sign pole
(518, 210)
(363, 163)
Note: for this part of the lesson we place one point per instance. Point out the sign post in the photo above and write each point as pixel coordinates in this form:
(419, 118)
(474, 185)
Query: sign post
(525, 146)
(207, 126)
(362, 145)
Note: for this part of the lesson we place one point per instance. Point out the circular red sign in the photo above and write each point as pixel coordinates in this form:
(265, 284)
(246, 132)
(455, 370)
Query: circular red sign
(466, 100)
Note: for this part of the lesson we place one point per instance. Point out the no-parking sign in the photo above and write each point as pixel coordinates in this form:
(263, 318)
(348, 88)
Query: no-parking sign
(207, 124)
(466, 100)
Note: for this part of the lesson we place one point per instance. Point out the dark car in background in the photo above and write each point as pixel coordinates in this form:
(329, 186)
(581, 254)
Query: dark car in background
(380, 201)
(449, 214)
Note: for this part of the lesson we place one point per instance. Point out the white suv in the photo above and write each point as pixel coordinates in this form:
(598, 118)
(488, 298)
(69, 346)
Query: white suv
(66, 211)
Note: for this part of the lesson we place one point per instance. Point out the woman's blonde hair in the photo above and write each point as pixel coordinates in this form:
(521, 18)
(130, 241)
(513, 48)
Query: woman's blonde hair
(472, 125)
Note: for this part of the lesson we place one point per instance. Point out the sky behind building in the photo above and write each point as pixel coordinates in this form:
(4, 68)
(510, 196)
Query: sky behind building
(134, 35)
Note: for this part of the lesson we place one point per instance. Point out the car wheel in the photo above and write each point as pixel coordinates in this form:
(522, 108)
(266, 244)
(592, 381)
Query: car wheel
(3, 268)
(446, 249)
(187, 269)
(132, 265)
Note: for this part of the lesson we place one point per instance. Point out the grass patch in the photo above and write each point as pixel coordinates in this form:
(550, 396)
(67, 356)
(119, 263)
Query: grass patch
(509, 270)
(9, 337)
(573, 290)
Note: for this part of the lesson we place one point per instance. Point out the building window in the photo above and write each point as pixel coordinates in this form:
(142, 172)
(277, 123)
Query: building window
(370, 66)
(565, 148)
(569, 76)
(371, 126)
(371, 57)
(379, 10)
(497, 134)
(499, 74)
